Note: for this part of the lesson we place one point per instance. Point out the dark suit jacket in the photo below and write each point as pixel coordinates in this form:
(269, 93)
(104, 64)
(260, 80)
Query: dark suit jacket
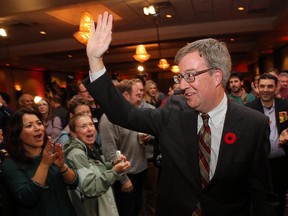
(281, 105)
(242, 173)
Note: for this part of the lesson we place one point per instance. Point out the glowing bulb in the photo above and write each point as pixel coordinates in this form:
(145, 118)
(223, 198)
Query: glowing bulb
(37, 99)
(3, 32)
(140, 68)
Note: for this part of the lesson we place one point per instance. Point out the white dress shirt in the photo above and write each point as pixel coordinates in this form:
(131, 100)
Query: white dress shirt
(216, 124)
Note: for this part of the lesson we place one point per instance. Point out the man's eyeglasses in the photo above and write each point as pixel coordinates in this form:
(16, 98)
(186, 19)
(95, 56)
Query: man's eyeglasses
(189, 76)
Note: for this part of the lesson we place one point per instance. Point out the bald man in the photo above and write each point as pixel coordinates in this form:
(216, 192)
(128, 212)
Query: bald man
(26, 101)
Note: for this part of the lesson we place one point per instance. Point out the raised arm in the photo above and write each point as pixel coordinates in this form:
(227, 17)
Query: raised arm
(99, 41)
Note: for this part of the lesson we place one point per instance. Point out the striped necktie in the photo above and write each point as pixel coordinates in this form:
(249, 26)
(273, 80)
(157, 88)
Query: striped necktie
(204, 149)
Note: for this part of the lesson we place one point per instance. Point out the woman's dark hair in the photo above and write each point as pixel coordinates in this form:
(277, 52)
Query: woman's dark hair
(13, 142)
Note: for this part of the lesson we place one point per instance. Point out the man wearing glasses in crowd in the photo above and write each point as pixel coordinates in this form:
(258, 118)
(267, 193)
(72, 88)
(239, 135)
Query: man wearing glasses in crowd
(215, 166)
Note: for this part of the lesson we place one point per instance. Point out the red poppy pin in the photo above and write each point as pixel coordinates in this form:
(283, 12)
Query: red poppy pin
(230, 138)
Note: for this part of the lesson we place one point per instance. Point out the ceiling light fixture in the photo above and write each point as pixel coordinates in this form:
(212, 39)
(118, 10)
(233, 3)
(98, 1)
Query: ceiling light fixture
(150, 10)
(141, 54)
(175, 69)
(3, 32)
(163, 63)
(83, 34)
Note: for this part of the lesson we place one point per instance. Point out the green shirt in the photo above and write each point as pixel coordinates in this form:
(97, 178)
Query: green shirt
(238, 99)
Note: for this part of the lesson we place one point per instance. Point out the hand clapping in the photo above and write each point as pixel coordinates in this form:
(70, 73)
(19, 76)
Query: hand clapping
(53, 154)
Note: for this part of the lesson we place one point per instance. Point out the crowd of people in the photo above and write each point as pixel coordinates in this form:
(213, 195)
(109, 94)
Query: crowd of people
(210, 147)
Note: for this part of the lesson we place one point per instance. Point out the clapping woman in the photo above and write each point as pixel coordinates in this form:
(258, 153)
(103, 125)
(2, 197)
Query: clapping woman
(34, 171)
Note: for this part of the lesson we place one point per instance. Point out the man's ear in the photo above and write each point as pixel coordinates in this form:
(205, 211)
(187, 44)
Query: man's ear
(126, 95)
(218, 77)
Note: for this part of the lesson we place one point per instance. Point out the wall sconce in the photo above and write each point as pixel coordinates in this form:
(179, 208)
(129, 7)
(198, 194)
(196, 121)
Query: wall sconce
(17, 87)
(141, 54)
(163, 64)
(175, 69)
(83, 34)
(150, 10)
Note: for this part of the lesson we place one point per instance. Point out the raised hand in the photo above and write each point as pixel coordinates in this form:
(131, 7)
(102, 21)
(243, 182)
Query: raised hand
(100, 40)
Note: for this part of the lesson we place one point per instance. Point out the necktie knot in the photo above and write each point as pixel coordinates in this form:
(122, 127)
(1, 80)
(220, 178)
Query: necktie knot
(205, 118)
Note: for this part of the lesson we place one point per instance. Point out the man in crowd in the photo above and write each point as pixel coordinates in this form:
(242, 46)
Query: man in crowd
(128, 192)
(26, 101)
(5, 111)
(215, 153)
(238, 92)
(95, 108)
(283, 83)
(59, 110)
(277, 111)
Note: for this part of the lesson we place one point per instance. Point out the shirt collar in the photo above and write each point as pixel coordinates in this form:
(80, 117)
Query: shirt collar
(273, 105)
(218, 113)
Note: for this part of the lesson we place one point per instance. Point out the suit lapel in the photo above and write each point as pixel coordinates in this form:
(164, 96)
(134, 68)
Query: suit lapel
(232, 128)
(232, 125)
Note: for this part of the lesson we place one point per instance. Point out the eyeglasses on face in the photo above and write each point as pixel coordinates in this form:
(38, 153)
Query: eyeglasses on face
(85, 126)
(189, 76)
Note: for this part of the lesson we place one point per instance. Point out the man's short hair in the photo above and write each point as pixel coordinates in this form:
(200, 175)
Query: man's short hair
(283, 74)
(75, 101)
(125, 86)
(236, 75)
(269, 76)
(214, 52)
(5, 97)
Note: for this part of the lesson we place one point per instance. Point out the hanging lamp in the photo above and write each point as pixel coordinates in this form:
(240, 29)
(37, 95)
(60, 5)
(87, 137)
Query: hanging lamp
(84, 32)
(141, 54)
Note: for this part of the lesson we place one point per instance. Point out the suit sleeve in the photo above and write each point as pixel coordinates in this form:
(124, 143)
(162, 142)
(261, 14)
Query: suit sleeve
(119, 111)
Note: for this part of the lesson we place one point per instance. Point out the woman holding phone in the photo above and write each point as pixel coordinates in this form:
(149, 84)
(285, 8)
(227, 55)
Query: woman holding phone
(94, 195)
